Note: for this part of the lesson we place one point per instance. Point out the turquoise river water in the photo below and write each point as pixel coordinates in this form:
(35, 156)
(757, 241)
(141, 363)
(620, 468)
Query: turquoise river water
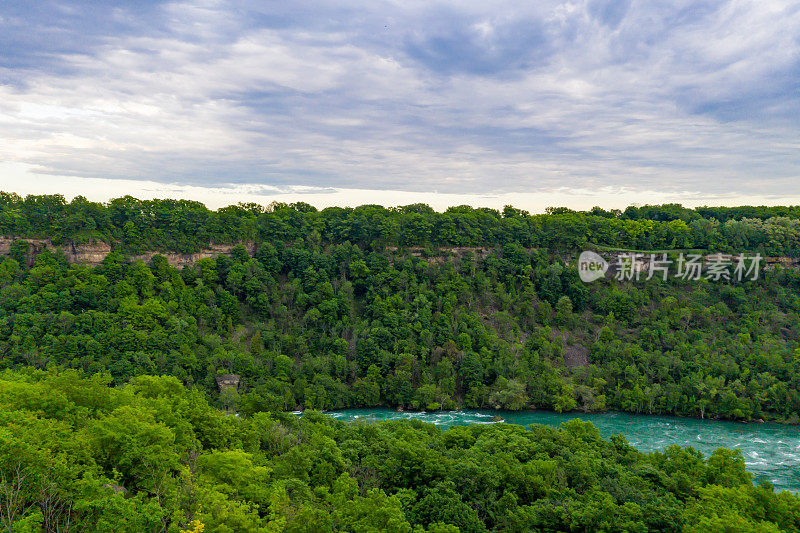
(771, 451)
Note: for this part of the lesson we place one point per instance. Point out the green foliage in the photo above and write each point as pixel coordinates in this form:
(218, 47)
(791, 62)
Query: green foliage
(345, 326)
(187, 227)
(147, 460)
(109, 373)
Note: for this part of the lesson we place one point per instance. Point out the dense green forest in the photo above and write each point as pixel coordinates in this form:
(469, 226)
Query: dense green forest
(373, 306)
(185, 226)
(326, 326)
(152, 455)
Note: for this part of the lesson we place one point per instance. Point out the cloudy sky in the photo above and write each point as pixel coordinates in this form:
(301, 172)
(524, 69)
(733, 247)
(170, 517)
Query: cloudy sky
(533, 103)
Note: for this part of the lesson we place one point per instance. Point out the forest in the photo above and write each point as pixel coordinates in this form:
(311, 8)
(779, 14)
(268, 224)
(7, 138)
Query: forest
(134, 226)
(153, 455)
(112, 418)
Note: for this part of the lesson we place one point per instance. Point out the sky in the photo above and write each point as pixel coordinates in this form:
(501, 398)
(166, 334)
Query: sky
(595, 102)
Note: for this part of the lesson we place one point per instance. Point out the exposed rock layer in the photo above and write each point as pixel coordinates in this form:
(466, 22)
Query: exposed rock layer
(94, 253)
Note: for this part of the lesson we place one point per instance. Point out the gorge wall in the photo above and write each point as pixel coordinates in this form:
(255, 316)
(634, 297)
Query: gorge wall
(93, 254)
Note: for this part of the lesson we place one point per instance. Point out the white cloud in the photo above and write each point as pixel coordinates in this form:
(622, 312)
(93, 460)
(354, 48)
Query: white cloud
(666, 97)
(24, 179)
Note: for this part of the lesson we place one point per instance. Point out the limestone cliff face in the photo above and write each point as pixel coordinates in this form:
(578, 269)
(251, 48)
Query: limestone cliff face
(93, 254)
(180, 260)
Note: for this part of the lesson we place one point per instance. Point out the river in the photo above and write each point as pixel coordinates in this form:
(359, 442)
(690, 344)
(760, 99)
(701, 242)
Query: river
(771, 451)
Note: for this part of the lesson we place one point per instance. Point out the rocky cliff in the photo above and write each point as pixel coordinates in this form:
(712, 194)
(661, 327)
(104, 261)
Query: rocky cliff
(93, 254)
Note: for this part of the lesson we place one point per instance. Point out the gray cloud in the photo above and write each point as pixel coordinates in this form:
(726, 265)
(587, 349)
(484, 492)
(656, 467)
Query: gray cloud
(683, 96)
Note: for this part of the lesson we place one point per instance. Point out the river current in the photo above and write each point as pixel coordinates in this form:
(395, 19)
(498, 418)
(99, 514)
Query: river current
(771, 451)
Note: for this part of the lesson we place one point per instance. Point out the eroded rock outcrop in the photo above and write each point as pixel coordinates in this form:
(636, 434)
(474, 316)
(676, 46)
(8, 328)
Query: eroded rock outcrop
(94, 253)
(228, 381)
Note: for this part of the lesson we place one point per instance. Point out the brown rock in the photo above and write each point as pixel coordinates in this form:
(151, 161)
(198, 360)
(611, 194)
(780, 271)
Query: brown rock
(226, 381)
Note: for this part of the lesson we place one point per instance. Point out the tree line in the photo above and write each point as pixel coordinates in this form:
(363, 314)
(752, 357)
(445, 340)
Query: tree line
(183, 226)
